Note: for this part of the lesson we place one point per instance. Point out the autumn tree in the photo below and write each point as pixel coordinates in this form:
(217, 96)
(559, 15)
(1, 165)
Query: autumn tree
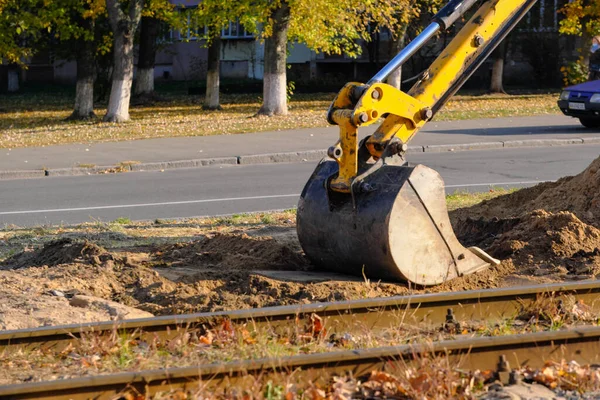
(410, 18)
(275, 56)
(124, 17)
(149, 28)
(329, 26)
(206, 22)
(75, 25)
(496, 85)
(21, 25)
(155, 13)
(581, 18)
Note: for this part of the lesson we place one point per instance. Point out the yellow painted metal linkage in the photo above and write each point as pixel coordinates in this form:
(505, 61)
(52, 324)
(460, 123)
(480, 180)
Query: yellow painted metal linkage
(404, 114)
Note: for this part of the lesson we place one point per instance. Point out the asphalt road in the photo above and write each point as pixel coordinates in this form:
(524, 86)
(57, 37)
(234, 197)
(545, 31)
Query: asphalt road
(237, 189)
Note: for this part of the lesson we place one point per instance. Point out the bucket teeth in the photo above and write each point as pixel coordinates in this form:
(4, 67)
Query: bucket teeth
(398, 231)
(484, 256)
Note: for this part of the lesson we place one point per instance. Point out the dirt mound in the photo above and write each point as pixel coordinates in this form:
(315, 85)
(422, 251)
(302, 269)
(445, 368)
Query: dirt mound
(539, 243)
(578, 194)
(62, 251)
(549, 229)
(233, 252)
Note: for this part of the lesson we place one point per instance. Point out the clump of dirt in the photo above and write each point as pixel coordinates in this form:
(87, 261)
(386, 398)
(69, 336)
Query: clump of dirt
(579, 194)
(233, 252)
(61, 251)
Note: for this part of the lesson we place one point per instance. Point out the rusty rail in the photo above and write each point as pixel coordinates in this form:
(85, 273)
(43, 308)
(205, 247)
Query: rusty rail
(534, 349)
(377, 313)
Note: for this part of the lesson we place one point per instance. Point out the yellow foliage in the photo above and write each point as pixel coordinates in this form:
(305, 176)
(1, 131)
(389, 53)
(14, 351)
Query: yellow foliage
(580, 16)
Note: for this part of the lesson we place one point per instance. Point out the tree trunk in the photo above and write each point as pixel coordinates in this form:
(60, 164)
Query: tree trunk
(13, 78)
(211, 100)
(147, 55)
(274, 80)
(496, 85)
(586, 36)
(123, 27)
(86, 75)
(395, 78)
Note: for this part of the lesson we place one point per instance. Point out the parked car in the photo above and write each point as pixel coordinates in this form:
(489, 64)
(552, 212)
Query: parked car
(582, 101)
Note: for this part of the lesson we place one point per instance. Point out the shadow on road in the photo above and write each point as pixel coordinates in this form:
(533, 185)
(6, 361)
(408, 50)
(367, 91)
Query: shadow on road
(574, 129)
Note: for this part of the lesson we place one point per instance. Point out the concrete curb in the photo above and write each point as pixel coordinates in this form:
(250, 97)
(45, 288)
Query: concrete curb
(591, 140)
(310, 155)
(76, 171)
(297, 156)
(159, 166)
(21, 174)
(542, 142)
(438, 148)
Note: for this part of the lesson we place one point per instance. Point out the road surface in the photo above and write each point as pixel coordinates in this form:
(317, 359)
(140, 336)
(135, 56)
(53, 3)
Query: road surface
(238, 189)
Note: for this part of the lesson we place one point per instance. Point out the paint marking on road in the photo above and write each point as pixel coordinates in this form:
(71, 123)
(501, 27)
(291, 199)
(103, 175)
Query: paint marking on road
(176, 203)
(166, 203)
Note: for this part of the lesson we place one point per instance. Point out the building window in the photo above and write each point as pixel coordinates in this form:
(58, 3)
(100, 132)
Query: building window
(235, 30)
(232, 30)
(543, 17)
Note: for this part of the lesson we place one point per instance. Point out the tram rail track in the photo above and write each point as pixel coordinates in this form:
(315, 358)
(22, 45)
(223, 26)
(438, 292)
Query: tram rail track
(377, 313)
(580, 344)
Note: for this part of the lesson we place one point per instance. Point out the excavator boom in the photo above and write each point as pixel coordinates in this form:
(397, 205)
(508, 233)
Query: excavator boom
(364, 210)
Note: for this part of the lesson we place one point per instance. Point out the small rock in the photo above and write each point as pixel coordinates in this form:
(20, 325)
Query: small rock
(57, 293)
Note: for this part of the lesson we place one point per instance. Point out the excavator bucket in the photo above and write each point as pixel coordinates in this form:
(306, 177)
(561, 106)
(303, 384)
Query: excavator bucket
(397, 229)
(364, 211)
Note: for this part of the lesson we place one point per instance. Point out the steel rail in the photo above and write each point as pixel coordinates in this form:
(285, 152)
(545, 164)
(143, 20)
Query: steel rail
(376, 313)
(580, 344)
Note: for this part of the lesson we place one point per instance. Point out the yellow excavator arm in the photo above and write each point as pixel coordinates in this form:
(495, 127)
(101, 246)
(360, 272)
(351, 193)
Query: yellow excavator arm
(364, 210)
(359, 105)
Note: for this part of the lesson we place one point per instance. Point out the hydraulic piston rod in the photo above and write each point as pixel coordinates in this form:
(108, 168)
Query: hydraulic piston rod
(442, 20)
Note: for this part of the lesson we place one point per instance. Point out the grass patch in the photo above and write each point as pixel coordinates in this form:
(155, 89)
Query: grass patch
(39, 119)
(122, 221)
(463, 199)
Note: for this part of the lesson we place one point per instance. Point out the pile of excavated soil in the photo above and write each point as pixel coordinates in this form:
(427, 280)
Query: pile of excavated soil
(216, 272)
(548, 230)
(62, 251)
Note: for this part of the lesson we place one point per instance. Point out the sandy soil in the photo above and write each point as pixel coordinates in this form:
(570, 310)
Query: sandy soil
(542, 234)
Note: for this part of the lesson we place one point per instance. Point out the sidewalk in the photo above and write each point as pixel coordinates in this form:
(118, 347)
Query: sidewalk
(291, 145)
